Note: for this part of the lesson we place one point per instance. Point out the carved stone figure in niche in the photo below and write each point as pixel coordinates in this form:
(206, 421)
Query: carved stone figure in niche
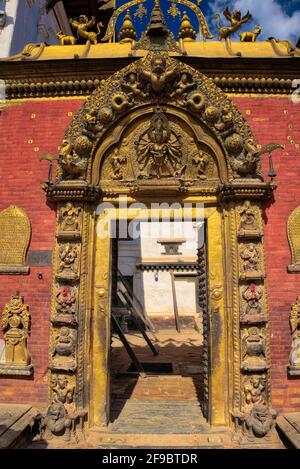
(68, 260)
(132, 86)
(248, 225)
(62, 390)
(66, 300)
(254, 391)
(185, 84)
(295, 330)
(71, 164)
(250, 255)
(253, 309)
(16, 328)
(69, 216)
(56, 422)
(118, 159)
(159, 149)
(159, 74)
(64, 350)
(202, 161)
(253, 350)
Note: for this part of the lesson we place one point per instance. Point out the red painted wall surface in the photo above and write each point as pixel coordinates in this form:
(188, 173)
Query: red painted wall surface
(30, 129)
(278, 120)
(27, 130)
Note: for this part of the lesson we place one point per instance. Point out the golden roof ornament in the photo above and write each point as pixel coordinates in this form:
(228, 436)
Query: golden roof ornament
(186, 31)
(127, 30)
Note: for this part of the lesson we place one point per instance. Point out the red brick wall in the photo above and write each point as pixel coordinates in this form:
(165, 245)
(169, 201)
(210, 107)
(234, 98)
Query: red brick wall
(27, 130)
(21, 172)
(278, 120)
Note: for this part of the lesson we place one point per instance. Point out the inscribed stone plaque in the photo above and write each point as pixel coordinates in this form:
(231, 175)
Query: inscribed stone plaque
(14, 240)
(293, 229)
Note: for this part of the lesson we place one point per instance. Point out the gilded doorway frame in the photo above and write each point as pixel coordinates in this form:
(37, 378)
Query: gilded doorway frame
(219, 317)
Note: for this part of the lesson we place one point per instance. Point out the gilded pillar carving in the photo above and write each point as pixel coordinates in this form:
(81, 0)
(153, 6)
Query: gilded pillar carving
(16, 329)
(254, 417)
(65, 415)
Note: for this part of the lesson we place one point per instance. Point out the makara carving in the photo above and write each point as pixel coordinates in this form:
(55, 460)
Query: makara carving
(254, 350)
(16, 329)
(294, 365)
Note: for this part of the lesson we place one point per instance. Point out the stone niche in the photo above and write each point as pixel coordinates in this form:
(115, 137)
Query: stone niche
(14, 240)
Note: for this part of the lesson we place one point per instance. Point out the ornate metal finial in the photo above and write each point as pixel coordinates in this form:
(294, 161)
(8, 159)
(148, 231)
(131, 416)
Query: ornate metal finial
(127, 30)
(157, 37)
(186, 31)
(157, 24)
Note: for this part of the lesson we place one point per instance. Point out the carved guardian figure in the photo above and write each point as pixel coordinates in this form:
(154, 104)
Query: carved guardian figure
(16, 328)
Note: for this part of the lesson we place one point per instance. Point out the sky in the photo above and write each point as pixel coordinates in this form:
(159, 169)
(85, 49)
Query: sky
(278, 18)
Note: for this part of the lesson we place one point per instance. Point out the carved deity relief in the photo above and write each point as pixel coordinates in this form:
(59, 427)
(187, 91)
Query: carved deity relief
(69, 220)
(254, 391)
(63, 389)
(160, 73)
(65, 304)
(158, 149)
(184, 85)
(249, 226)
(250, 261)
(252, 308)
(68, 261)
(294, 367)
(63, 353)
(293, 230)
(254, 349)
(118, 160)
(14, 240)
(201, 160)
(16, 329)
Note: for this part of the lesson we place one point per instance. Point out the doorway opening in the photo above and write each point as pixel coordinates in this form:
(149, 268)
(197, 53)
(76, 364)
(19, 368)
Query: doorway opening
(157, 387)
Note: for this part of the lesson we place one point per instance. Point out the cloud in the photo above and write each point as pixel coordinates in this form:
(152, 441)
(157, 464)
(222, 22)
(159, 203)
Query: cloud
(268, 13)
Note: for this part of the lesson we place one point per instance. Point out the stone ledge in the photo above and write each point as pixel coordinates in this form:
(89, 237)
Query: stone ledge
(293, 268)
(16, 370)
(293, 370)
(14, 269)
